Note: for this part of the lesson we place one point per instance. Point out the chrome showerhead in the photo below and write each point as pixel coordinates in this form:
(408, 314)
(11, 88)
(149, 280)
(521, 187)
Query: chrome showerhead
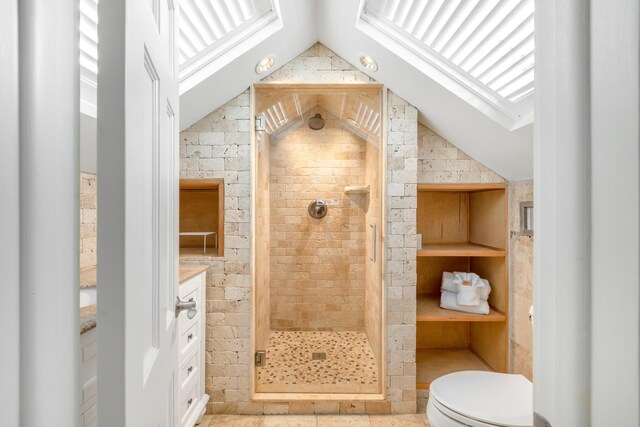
(316, 122)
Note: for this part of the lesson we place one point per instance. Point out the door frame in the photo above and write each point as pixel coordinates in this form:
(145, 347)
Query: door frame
(43, 209)
(10, 214)
(586, 277)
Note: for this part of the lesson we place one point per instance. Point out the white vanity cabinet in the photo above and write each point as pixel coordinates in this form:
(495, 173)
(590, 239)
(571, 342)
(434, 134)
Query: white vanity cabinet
(191, 400)
(88, 374)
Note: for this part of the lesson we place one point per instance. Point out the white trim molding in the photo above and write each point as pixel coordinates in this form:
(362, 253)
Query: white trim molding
(587, 219)
(10, 216)
(49, 213)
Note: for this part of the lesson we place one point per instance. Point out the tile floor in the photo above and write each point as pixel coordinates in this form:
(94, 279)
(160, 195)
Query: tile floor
(349, 366)
(415, 420)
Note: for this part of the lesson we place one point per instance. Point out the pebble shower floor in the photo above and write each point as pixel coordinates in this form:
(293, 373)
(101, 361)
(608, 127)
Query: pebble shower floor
(349, 365)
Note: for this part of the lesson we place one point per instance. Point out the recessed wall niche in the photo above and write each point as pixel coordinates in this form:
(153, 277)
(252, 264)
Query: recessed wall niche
(201, 217)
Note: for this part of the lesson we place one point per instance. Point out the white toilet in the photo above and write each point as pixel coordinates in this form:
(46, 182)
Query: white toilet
(480, 399)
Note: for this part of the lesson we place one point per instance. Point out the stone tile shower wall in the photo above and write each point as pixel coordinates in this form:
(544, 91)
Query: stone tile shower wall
(217, 146)
(88, 216)
(317, 265)
(400, 243)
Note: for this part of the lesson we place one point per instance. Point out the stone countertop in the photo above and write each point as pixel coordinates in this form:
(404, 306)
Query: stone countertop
(188, 271)
(88, 313)
(88, 277)
(87, 318)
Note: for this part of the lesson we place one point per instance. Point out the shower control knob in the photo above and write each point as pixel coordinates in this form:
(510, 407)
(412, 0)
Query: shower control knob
(317, 209)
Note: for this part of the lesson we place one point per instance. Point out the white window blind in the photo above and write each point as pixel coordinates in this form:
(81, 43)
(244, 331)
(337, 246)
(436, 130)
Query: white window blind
(490, 42)
(206, 25)
(88, 55)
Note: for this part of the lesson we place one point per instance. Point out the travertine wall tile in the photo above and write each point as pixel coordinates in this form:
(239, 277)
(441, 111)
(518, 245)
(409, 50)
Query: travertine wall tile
(88, 220)
(223, 151)
(521, 282)
(439, 161)
(317, 266)
(402, 147)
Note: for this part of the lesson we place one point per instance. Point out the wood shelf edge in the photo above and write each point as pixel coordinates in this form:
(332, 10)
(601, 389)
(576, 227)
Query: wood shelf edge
(445, 315)
(460, 249)
(462, 187)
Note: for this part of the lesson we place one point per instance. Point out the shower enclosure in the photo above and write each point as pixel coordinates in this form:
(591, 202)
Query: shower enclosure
(317, 239)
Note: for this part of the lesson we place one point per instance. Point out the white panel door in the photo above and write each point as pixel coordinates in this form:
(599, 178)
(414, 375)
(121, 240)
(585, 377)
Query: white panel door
(137, 225)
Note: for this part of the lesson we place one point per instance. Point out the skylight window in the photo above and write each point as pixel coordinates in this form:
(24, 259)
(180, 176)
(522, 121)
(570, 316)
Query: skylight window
(88, 56)
(485, 47)
(209, 28)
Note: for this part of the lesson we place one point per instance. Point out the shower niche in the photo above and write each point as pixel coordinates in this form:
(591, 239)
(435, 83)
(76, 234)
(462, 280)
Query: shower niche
(201, 217)
(317, 253)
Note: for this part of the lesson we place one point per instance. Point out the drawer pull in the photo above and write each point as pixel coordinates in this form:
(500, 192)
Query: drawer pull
(189, 337)
(190, 401)
(189, 369)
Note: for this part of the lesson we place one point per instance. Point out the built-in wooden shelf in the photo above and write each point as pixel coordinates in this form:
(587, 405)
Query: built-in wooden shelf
(464, 227)
(432, 363)
(428, 310)
(459, 249)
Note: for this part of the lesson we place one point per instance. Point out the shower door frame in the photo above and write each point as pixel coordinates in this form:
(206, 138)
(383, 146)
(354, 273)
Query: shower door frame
(305, 396)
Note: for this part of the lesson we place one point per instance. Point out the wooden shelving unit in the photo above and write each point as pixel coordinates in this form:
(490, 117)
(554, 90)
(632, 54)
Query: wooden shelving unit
(464, 228)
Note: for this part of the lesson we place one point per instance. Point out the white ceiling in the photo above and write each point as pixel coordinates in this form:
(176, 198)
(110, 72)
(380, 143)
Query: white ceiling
(333, 23)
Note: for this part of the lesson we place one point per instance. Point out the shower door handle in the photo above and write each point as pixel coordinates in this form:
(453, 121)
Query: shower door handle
(373, 243)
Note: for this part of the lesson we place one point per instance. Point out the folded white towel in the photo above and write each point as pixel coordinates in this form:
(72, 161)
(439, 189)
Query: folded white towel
(448, 300)
(449, 285)
(468, 295)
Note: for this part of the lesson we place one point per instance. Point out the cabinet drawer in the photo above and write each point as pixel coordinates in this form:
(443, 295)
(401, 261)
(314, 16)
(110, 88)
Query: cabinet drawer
(89, 366)
(90, 416)
(188, 339)
(189, 403)
(194, 295)
(187, 287)
(189, 369)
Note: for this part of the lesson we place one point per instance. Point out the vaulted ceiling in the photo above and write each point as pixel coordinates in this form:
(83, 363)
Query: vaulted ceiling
(467, 65)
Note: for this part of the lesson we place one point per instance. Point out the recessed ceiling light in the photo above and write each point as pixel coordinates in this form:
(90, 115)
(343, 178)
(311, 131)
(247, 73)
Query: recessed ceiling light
(265, 64)
(369, 63)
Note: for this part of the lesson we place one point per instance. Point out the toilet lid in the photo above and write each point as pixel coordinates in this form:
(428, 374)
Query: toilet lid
(490, 397)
